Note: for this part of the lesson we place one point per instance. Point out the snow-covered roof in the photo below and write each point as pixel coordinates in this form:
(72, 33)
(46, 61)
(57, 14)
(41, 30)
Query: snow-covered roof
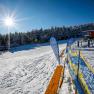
(88, 31)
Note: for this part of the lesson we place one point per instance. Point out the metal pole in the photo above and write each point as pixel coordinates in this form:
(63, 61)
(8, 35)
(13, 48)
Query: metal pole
(78, 44)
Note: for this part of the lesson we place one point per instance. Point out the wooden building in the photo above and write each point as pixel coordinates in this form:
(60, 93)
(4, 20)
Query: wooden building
(89, 33)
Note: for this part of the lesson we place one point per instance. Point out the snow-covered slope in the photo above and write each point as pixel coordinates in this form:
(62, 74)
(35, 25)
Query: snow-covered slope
(27, 71)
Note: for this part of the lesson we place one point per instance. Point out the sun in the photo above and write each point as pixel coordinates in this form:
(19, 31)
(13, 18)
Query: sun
(9, 21)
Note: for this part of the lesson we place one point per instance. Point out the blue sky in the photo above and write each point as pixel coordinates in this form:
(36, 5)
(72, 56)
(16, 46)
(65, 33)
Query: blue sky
(46, 13)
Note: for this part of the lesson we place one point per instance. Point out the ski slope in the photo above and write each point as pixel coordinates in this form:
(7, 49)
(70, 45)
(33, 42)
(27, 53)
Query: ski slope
(27, 71)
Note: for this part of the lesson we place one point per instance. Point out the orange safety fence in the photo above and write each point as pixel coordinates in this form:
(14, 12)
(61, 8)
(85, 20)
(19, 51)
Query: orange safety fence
(56, 80)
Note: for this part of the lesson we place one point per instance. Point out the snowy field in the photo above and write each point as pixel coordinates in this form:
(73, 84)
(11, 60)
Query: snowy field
(27, 71)
(89, 56)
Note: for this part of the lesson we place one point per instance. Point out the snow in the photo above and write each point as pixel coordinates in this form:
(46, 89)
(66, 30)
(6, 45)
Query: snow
(87, 74)
(27, 71)
(89, 56)
(67, 88)
(88, 53)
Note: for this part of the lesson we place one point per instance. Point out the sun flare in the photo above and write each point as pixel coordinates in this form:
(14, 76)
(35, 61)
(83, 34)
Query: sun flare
(9, 21)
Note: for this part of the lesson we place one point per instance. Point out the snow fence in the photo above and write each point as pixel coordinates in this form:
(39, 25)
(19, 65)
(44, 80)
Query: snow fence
(56, 81)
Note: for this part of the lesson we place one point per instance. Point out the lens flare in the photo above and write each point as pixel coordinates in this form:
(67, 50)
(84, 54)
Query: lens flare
(9, 21)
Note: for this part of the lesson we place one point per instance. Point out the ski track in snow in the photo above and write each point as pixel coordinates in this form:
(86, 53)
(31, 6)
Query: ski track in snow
(27, 72)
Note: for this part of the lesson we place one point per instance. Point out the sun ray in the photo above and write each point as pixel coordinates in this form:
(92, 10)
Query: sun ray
(12, 20)
(23, 19)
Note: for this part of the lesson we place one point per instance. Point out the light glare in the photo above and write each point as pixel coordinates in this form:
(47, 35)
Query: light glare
(8, 21)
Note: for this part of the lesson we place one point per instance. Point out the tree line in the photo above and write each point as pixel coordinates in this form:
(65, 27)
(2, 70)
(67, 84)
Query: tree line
(43, 35)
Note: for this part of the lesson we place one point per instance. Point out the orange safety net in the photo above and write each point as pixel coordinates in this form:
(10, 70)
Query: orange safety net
(55, 80)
